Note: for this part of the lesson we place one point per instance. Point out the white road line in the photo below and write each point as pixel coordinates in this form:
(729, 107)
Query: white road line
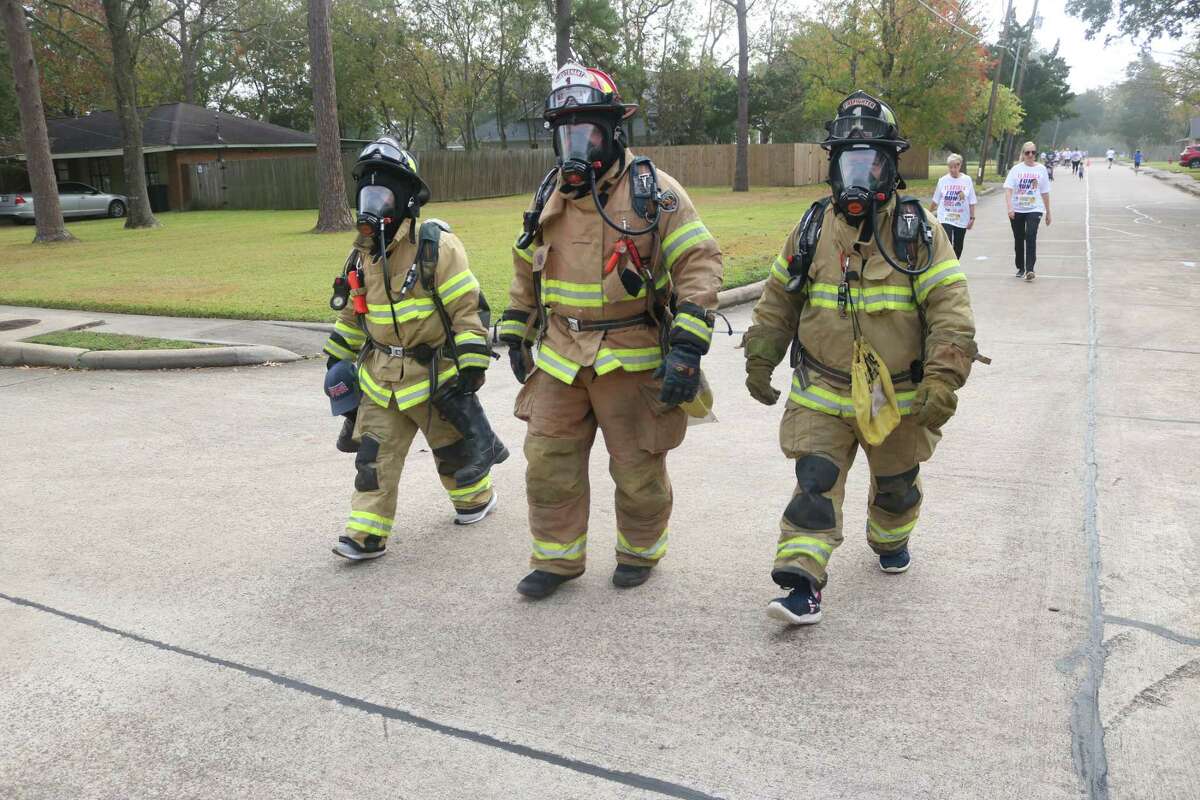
(1140, 216)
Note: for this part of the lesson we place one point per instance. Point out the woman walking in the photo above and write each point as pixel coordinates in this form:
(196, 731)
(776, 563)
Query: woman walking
(954, 201)
(1027, 195)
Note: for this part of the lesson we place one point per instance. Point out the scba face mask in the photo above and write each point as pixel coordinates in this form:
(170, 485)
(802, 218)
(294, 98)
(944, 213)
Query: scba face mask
(584, 145)
(860, 176)
(383, 203)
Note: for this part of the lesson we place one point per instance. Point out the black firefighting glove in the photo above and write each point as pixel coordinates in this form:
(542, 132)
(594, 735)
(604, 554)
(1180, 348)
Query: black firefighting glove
(346, 441)
(470, 379)
(519, 357)
(680, 373)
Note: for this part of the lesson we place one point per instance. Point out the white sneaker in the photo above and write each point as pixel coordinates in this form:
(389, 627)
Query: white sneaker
(348, 548)
(469, 516)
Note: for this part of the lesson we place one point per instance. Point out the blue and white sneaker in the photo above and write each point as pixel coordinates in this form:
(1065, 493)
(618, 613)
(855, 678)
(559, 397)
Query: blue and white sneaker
(801, 607)
(895, 562)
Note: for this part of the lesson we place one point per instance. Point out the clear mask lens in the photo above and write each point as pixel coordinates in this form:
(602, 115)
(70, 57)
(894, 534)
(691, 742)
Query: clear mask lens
(582, 142)
(377, 201)
(867, 168)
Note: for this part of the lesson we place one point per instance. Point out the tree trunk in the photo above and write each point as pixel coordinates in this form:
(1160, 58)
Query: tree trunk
(125, 90)
(562, 31)
(500, 113)
(741, 168)
(187, 59)
(50, 227)
(332, 215)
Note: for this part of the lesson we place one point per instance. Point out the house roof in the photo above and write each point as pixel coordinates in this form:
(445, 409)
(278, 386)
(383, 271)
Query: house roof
(171, 126)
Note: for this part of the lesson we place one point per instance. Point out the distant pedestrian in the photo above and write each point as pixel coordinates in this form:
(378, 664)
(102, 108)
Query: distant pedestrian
(1111, 154)
(954, 201)
(1076, 159)
(1137, 160)
(1027, 195)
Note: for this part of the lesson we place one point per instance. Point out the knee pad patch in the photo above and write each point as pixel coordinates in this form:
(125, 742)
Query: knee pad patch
(816, 473)
(367, 479)
(896, 494)
(451, 457)
(809, 509)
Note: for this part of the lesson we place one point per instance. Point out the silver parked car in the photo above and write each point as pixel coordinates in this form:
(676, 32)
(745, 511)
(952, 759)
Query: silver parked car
(76, 199)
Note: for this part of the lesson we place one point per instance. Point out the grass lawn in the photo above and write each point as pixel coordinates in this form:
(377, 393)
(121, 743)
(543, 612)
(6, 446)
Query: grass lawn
(1173, 167)
(111, 341)
(266, 265)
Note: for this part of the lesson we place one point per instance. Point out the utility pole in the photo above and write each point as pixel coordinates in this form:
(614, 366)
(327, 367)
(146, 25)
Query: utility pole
(1020, 79)
(987, 127)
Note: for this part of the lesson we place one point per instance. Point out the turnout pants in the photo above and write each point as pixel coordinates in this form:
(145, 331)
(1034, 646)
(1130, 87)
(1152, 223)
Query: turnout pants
(824, 447)
(638, 429)
(386, 435)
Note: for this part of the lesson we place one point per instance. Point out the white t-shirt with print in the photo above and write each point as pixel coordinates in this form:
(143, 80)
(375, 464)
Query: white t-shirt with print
(954, 197)
(1111, 154)
(1028, 184)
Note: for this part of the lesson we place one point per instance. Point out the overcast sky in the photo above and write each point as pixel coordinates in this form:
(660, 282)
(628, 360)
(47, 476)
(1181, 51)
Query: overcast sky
(1093, 64)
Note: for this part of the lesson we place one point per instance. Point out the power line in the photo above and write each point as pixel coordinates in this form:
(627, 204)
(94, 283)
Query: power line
(956, 27)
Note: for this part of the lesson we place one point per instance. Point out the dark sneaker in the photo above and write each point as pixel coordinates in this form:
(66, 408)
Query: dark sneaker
(1020, 273)
(627, 575)
(372, 547)
(539, 584)
(1029, 275)
(895, 562)
(801, 607)
(469, 516)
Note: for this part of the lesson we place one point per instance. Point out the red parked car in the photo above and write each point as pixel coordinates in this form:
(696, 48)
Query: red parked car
(1190, 157)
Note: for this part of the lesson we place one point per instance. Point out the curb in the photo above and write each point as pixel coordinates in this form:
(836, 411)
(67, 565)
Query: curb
(1183, 183)
(742, 294)
(28, 354)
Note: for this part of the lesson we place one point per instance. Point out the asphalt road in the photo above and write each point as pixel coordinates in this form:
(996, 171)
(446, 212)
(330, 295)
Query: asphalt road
(173, 625)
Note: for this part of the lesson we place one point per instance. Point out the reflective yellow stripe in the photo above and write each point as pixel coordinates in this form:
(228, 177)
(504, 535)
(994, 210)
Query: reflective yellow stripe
(633, 359)
(337, 351)
(478, 486)
(946, 272)
(371, 389)
(821, 399)
(581, 295)
(878, 533)
(779, 269)
(405, 310)
(526, 255)
(417, 393)
(473, 360)
(511, 327)
(662, 281)
(562, 368)
(457, 286)
(682, 240)
(470, 337)
(367, 529)
(695, 326)
(869, 299)
(815, 549)
(572, 551)
(354, 336)
(652, 553)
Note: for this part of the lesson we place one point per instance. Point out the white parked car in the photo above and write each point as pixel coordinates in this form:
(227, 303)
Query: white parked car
(76, 199)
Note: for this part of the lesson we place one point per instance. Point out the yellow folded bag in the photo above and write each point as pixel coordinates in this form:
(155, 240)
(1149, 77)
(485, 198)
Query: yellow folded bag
(875, 405)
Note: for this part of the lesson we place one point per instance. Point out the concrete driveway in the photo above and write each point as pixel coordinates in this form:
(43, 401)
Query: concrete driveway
(173, 625)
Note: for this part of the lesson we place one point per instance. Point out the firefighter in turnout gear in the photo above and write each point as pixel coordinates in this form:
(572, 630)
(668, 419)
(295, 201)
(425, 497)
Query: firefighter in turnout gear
(410, 319)
(870, 299)
(610, 312)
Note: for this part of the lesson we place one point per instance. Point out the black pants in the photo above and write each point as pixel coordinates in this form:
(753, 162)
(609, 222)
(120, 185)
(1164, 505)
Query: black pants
(1025, 228)
(957, 237)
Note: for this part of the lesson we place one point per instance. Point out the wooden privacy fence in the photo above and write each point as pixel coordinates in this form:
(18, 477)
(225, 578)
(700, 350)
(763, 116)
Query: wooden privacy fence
(291, 183)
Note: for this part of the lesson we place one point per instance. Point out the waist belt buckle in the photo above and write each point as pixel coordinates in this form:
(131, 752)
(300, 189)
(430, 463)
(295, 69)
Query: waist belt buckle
(573, 324)
(395, 352)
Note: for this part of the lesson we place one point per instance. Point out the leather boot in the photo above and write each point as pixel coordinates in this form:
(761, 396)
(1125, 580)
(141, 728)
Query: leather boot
(482, 448)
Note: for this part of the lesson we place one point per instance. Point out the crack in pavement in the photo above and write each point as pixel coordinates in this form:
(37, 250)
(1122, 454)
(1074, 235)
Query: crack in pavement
(631, 779)
(1171, 420)
(1087, 730)
(1159, 630)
